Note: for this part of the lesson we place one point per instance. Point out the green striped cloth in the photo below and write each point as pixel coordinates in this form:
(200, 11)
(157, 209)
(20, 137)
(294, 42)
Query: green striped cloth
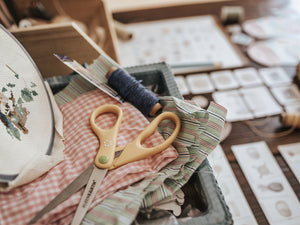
(101, 65)
(199, 135)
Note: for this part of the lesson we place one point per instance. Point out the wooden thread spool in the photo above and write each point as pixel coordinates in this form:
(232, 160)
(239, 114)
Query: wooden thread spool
(30, 22)
(122, 32)
(151, 105)
(291, 119)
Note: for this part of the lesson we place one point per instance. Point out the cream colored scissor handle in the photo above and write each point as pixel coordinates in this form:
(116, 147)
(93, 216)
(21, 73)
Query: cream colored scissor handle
(134, 150)
(107, 137)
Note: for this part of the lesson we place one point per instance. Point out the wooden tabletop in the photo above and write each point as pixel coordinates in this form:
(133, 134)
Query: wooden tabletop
(241, 132)
(253, 8)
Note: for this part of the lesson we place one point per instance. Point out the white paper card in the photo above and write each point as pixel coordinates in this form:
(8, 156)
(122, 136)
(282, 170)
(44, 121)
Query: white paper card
(247, 77)
(234, 197)
(291, 154)
(181, 83)
(232, 100)
(188, 40)
(292, 108)
(241, 39)
(260, 101)
(271, 188)
(224, 80)
(286, 95)
(274, 76)
(199, 83)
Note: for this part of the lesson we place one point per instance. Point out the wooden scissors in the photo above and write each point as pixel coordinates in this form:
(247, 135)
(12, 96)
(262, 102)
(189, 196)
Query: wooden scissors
(109, 157)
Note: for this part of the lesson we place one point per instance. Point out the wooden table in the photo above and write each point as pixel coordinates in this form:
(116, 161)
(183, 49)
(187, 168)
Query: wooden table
(253, 8)
(241, 133)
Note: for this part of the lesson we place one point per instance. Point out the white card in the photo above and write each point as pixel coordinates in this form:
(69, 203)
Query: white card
(260, 101)
(233, 29)
(182, 86)
(293, 108)
(247, 77)
(231, 189)
(237, 109)
(286, 95)
(224, 80)
(291, 154)
(274, 76)
(241, 39)
(271, 188)
(199, 83)
(178, 41)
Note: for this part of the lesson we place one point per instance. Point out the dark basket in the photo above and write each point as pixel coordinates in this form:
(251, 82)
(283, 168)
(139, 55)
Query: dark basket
(202, 190)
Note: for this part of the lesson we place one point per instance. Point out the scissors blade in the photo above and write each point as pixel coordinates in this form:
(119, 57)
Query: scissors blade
(72, 188)
(89, 193)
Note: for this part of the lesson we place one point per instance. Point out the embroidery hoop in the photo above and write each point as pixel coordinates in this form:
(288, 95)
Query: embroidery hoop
(26, 119)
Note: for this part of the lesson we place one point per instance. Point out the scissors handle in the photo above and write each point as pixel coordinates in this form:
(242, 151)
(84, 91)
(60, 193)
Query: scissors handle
(107, 137)
(134, 150)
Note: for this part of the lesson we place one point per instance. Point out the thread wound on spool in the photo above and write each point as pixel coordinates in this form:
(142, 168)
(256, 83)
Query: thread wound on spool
(291, 119)
(132, 91)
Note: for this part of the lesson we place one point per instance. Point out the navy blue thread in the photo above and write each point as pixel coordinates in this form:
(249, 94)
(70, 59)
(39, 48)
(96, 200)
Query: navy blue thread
(132, 91)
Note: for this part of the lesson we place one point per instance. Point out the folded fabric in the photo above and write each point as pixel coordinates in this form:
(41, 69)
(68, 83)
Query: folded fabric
(41, 163)
(81, 145)
(200, 133)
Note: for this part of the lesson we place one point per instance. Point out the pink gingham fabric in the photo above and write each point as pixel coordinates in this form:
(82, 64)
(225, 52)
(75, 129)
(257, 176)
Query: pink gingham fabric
(21, 204)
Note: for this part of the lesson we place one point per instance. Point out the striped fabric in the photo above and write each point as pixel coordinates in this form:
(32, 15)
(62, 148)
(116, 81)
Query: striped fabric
(116, 202)
(200, 133)
(76, 87)
(101, 65)
(201, 130)
(81, 144)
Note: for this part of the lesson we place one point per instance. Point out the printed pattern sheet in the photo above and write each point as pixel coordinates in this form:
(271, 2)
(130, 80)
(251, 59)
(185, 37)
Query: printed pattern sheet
(291, 154)
(190, 40)
(234, 197)
(271, 188)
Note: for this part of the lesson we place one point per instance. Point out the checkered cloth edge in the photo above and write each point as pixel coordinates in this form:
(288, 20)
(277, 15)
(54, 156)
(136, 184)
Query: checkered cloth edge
(21, 204)
(201, 130)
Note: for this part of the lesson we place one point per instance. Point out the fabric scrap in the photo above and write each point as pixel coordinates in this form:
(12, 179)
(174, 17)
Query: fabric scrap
(81, 144)
(200, 134)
